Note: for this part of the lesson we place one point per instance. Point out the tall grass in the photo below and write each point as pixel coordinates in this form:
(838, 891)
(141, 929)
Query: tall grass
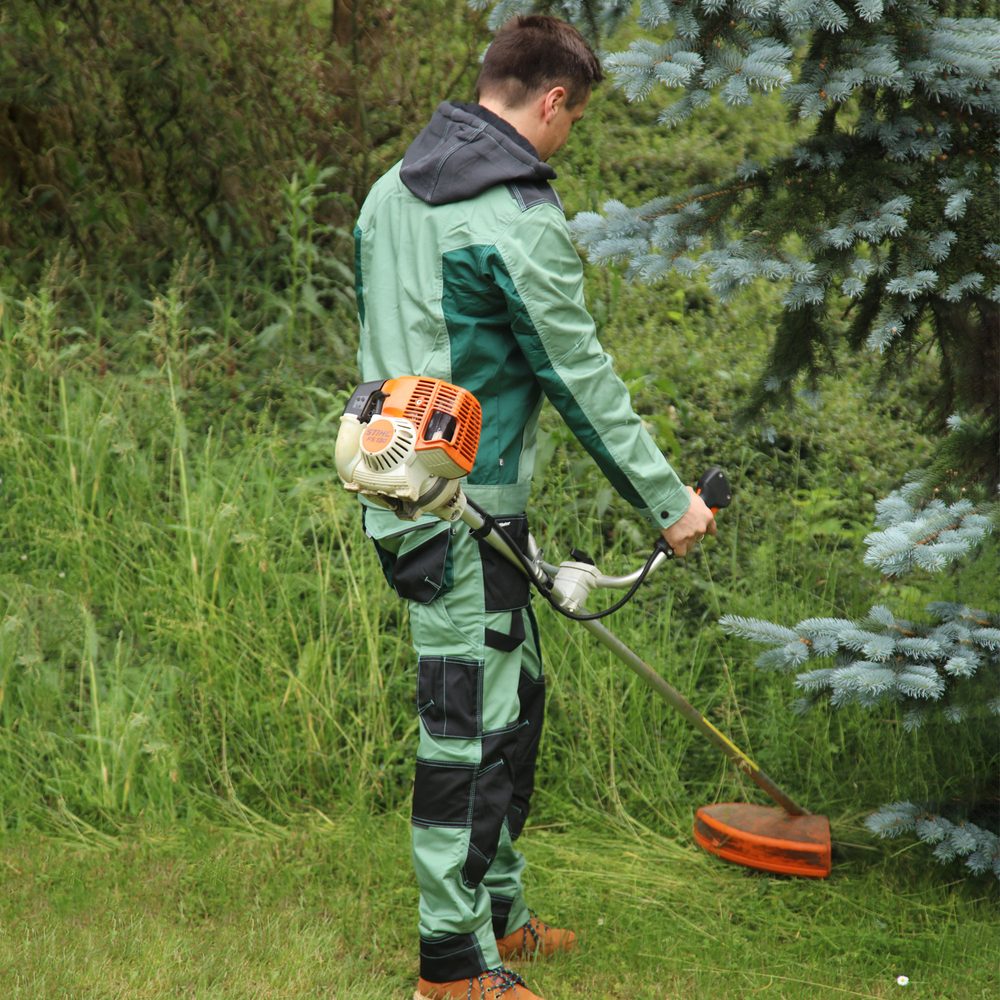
(178, 620)
(180, 632)
(193, 624)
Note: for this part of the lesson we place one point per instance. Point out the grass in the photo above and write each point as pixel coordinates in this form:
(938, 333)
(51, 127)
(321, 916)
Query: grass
(326, 908)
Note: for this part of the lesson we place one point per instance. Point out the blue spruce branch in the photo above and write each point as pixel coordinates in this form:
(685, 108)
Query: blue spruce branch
(978, 849)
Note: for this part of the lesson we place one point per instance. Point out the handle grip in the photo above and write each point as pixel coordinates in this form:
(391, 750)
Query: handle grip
(714, 489)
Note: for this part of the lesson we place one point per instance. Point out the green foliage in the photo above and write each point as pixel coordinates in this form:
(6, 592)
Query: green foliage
(314, 281)
(882, 658)
(148, 482)
(142, 123)
(868, 212)
(221, 642)
(978, 849)
(168, 619)
(134, 133)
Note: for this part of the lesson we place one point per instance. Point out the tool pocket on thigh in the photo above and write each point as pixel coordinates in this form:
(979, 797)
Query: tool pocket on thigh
(505, 587)
(450, 696)
(416, 561)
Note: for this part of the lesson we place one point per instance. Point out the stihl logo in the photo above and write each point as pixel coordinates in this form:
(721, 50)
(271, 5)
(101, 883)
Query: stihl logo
(377, 435)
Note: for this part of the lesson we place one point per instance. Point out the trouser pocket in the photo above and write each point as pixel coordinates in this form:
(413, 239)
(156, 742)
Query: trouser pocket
(505, 587)
(450, 696)
(416, 563)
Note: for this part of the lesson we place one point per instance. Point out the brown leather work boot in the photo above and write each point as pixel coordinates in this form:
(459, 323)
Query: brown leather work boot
(535, 939)
(493, 984)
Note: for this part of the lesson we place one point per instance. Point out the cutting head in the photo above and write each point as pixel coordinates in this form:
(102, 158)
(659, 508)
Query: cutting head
(765, 837)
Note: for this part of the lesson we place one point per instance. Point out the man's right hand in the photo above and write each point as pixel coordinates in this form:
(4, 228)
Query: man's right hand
(683, 535)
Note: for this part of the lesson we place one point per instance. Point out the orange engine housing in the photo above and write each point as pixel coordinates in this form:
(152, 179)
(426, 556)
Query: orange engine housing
(447, 417)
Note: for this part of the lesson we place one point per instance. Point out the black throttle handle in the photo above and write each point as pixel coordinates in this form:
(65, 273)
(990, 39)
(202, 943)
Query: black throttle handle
(714, 489)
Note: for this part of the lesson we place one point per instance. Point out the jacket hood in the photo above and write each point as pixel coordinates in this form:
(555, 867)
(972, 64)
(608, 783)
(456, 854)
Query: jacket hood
(464, 150)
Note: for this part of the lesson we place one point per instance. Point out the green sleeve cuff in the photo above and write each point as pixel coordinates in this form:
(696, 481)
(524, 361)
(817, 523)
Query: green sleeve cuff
(671, 509)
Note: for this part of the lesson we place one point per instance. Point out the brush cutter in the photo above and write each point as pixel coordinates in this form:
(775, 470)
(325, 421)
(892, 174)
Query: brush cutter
(406, 444)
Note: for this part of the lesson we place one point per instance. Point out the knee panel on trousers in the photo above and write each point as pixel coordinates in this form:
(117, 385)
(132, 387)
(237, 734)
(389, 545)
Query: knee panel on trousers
(472, 797)
(531, 694)
(491, 795)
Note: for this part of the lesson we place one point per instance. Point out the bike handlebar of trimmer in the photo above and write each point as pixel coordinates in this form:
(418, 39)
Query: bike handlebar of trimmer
(712, 487)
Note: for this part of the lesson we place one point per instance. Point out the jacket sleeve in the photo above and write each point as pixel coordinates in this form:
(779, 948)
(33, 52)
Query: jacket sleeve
(538, 269)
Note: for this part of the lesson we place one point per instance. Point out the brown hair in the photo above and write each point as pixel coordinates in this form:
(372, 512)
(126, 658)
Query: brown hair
(534, 53)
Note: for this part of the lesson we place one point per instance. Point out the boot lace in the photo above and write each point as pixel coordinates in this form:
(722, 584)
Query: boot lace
(530, 928)
(531, 940)
(496, 982)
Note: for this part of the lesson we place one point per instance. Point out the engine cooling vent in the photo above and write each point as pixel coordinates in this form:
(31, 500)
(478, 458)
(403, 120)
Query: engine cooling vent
(386, 445)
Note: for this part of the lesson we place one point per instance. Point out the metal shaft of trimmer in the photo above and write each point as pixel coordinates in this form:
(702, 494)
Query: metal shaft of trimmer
(635, 663)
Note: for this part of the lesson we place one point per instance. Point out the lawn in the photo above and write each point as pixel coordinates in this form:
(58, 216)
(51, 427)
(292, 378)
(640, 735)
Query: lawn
(326, 908)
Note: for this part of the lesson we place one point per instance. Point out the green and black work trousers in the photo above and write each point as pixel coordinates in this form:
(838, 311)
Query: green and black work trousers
(480, 699)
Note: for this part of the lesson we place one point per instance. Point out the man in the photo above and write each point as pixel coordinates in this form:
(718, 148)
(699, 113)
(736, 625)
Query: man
(466, 272)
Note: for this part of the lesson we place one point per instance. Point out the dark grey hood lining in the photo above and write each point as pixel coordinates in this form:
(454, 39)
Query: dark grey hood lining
(500, 124)
(466, 149)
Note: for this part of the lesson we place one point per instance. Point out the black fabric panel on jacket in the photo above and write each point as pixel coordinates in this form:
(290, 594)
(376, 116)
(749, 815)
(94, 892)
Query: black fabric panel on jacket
(491, 798)
(441, 794)
(450, 696)
(505, 587)
(456, 956)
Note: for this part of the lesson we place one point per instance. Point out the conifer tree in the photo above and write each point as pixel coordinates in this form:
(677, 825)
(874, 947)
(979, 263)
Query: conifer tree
(948, 664)
(886, 211)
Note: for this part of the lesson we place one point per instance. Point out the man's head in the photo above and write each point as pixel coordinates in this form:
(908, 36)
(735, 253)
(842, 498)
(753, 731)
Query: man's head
(537, 74)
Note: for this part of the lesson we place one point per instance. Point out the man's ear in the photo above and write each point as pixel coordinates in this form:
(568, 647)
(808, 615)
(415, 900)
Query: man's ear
(551, 102)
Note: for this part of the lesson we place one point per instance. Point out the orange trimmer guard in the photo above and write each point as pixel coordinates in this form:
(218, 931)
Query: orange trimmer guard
(765, 837)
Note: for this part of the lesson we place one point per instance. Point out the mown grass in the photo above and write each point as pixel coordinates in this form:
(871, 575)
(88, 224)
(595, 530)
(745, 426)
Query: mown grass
(323, 908)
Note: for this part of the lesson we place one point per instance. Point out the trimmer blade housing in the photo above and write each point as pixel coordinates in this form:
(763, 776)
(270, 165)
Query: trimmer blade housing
(765, 837)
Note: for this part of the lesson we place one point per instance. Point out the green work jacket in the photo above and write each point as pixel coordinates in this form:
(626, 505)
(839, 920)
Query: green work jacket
(465, 271)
